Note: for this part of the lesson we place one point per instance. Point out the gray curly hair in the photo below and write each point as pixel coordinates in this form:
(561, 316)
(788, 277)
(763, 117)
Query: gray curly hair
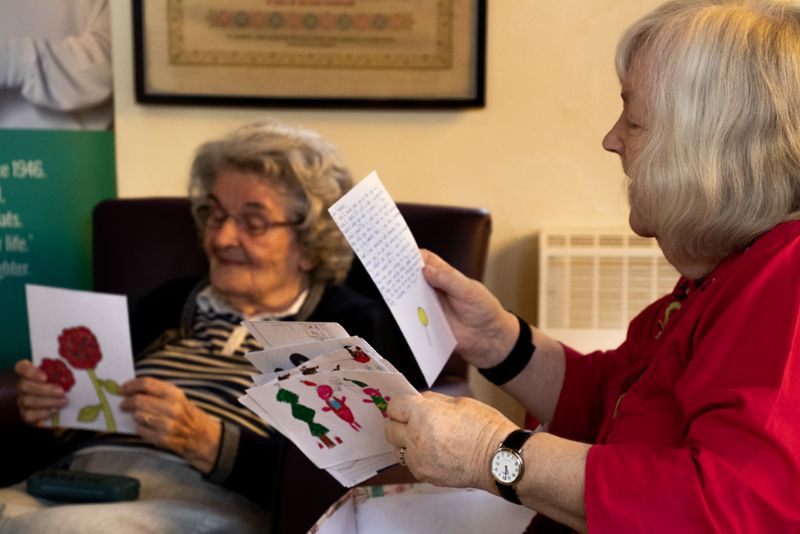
(298, 162)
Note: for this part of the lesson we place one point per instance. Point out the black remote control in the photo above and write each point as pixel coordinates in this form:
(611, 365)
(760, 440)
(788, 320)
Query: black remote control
(81, 486)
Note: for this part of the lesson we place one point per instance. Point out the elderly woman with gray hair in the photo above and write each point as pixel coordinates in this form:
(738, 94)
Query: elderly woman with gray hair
(691, 424)
(260, 197)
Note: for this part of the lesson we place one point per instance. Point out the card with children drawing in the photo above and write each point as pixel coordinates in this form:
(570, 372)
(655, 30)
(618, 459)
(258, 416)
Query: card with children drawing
(338, 360)
(278, 361)
(333, 417)
(81, 340)
(327, 392)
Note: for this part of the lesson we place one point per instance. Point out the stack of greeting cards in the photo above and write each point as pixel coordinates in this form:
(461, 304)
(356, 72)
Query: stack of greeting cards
(328, 393)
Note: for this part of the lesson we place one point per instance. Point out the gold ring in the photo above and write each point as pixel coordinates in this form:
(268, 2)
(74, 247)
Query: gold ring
(146, 418)
(402, 456)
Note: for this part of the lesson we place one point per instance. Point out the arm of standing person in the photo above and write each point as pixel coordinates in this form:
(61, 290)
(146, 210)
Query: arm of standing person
(65, 74)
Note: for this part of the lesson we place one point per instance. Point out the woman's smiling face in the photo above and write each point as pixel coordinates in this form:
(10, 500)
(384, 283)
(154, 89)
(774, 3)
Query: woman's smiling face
(254, 264)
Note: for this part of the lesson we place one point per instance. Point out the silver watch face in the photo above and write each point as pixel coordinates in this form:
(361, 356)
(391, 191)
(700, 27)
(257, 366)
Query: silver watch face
(506, 466)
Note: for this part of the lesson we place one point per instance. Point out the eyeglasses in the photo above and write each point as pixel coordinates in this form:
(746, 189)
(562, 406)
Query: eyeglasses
(252, 224)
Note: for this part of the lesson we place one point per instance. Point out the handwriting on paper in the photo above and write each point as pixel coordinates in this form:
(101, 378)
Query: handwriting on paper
(380, 237)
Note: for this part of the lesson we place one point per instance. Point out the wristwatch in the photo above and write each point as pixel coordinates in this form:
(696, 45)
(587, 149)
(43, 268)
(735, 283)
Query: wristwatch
(507, 464)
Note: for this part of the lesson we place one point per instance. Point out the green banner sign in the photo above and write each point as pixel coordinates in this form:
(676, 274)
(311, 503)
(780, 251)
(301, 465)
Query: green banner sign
(49, 183)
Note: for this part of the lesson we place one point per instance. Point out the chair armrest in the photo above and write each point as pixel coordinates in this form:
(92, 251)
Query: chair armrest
(9, 414)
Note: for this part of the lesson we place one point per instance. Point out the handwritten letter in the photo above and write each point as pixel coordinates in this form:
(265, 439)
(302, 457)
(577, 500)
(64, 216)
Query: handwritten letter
(371, 222)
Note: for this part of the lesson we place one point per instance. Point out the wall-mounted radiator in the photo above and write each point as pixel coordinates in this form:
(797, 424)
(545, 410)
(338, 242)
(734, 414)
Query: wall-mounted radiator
(592, 283)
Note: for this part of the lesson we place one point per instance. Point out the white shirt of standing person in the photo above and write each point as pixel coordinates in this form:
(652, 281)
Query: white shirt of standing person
(55, 64)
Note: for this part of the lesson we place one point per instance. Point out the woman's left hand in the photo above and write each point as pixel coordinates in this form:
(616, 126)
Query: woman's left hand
(167, 419)
(448, 441)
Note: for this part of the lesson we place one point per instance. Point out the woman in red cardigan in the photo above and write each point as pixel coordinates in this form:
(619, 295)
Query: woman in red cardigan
(691, 424)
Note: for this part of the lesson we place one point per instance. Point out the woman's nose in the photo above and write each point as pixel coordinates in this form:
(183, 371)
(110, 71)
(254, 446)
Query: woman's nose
(227, 233)
(612, 140)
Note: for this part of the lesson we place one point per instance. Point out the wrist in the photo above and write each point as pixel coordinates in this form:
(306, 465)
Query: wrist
(485, 478)
(499, 341)
(204, 448)
(515, 359)
(508, 464)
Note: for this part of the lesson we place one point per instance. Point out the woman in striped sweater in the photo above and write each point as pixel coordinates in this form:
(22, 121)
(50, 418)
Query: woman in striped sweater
(260, 197)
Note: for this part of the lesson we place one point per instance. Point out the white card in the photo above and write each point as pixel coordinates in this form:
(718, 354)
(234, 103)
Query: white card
(352, 473)
(250, 403)
(374, 227)
(404, 509)
(333, 417)
(82, 340)
(276, 360)
(335, 361)
(274, 334)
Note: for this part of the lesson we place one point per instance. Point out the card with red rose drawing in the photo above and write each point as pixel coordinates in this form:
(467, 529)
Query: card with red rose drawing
(81, 340)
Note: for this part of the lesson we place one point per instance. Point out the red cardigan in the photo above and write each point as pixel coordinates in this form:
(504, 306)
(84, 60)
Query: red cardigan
(696, 419)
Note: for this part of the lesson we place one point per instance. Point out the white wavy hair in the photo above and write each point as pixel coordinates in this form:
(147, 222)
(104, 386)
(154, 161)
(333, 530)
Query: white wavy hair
(721, 161)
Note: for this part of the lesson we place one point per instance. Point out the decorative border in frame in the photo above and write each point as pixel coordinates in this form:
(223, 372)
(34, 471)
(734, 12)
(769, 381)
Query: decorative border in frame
(305, 54)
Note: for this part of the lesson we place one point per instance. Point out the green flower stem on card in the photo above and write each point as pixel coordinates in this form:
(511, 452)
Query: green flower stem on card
(54, 420)
(110, 425)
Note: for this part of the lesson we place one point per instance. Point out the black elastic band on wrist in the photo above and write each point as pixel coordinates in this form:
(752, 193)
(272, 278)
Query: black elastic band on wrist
(517, 359)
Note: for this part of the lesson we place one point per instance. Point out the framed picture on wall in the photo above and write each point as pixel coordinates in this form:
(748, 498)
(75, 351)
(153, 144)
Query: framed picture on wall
(311, 53)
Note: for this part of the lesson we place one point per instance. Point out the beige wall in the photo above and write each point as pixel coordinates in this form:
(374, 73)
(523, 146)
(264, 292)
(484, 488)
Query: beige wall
(532, 156)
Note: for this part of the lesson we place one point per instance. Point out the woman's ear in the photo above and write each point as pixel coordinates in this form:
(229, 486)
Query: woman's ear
(307, 264)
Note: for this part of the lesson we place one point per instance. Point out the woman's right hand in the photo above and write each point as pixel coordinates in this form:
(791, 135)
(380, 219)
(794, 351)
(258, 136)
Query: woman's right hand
(484, 330)
(36, 399)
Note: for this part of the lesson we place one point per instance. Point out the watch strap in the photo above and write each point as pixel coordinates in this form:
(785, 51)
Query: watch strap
(513, 441)
(517, 439)
(508, 493)
(517, 359)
